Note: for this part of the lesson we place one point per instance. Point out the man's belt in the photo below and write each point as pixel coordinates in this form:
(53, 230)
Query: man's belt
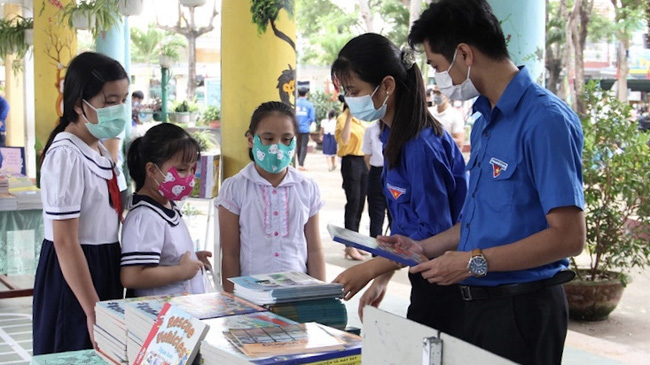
(503, 291)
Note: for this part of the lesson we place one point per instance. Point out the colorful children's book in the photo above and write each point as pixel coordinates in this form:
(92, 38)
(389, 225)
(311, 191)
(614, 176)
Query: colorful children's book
(174, 338)
(214, 305)
(85, 357)
(372, 245)
(284, 287)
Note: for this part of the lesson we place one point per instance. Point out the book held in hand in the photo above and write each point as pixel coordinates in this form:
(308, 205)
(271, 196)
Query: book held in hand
(284, 287)
(374, 246)
(174, 338)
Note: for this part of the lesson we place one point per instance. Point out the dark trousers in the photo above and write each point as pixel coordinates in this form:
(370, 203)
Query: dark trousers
(355, 184)
(3, 139)
(376, 201)
(303, 139)
(527, 329)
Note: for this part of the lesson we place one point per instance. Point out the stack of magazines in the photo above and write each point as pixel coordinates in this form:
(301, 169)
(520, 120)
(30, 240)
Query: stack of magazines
(284, 287)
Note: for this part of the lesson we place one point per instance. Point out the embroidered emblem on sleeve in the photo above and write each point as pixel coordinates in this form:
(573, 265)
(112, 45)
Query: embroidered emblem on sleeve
(497, 166)
(395, 191)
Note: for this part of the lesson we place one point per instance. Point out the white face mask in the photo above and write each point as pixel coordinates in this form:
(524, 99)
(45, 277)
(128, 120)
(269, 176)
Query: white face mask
(464, 91)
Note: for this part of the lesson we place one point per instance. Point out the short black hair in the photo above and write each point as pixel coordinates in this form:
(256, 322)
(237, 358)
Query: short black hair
(138, 94)
(303, 91)
(447, 23)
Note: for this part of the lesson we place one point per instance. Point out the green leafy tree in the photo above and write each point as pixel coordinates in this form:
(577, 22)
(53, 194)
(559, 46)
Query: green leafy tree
(146, 44)
(266, 12)
(555, 39)
(628, 19)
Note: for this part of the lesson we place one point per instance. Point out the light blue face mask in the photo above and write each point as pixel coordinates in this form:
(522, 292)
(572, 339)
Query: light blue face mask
(110, 121)
(273, 158)
(362, 107)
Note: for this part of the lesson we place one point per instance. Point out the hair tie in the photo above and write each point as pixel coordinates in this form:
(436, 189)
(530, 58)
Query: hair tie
(408, 57)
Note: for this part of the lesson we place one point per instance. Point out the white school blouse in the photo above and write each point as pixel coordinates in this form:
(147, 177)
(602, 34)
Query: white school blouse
(271, 220)
(372, 144)
(74, 179)
(153, 235)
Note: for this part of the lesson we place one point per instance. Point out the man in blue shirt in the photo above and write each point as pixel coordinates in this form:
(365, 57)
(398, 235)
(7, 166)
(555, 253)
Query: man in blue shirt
(4, 111)
(523, 215)
(306, 115)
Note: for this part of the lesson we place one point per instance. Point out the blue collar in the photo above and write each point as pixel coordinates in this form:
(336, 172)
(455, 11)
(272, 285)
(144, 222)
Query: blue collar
(511, 96)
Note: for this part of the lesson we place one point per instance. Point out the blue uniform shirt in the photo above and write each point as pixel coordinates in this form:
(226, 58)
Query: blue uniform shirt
(305, 114)
(426, 191)
(526, 160)
(4, 112)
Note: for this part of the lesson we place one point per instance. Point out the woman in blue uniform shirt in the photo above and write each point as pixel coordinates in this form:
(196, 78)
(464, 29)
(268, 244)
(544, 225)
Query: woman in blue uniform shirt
(424, 171)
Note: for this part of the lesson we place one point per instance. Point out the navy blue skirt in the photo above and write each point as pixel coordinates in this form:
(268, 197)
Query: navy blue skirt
(329, 145)
(59, 322)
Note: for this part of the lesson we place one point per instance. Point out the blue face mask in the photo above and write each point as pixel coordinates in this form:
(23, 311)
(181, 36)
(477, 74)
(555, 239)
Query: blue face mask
(110, 121)
(273, 158)
(362, 107)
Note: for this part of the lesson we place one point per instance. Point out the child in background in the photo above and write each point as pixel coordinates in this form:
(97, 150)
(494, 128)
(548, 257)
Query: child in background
(157, 250)
(80, 257)
(327, 128)
(268, 212)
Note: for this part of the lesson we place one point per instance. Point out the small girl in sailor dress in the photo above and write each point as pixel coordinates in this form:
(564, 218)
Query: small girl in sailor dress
(80, 257)
(157, 250)
(268, 212)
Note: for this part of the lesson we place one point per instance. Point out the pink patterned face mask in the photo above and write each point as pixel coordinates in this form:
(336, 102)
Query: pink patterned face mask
(175, 187)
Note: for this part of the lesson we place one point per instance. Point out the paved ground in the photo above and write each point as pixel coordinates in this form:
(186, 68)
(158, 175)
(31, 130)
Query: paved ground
(621, 339)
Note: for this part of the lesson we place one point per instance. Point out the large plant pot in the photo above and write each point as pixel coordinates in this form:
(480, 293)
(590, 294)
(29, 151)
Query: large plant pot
(191, 3)
(165, 61)
(130, 7)
(593, 300)
(83, 20)
(29, 37)
(182, 117)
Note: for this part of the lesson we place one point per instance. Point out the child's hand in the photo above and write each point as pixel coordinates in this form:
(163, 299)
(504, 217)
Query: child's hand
(203, 257)
(188, 266)
(353, 279)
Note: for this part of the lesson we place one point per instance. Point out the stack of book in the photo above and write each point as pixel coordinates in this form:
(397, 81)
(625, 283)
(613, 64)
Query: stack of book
(7, 201)
(27, 198)
(141, 313)
(110, 331)
(284, 287)
(207, 176)
(173, 339)
(284, 344)
(330, 312)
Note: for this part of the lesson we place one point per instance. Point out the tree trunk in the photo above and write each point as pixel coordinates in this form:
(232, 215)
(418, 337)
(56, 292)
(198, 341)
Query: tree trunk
(191, 62)
(579, 41)
(569, 52)
(282, 36)
(623, 69)
(366, 15)
(414, 11)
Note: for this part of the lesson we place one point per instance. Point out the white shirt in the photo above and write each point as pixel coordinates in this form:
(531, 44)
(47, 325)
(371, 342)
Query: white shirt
(153, 235)
(451, 119)
(328, 125)
(271, 220)
(74, 181)
(372, 145)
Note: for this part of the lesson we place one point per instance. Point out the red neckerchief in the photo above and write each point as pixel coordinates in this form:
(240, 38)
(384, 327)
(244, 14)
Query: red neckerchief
(114, 192)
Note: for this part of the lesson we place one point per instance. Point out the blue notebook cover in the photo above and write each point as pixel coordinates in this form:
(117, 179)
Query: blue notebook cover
(372, 245)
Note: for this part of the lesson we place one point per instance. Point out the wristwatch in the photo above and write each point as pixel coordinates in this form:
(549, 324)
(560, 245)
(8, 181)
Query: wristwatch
(477, 264)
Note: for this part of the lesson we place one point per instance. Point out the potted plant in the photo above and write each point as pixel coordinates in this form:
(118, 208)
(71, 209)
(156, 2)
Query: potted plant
(192, 3)
(130, 7)
(617, 205)
(212, 116)
(94, 15)
(170, 51)
(181, 112)
(16, 36)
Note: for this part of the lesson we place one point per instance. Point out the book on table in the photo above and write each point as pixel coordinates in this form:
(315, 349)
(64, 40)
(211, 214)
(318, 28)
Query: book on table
(85, 357)
(214, 305)
(174, 338)
(374, 246)
(284, 287)
(327, 346)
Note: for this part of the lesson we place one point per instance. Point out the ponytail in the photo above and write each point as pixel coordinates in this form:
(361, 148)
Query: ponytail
(135, 163)
(60, 127)
(411, 115)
